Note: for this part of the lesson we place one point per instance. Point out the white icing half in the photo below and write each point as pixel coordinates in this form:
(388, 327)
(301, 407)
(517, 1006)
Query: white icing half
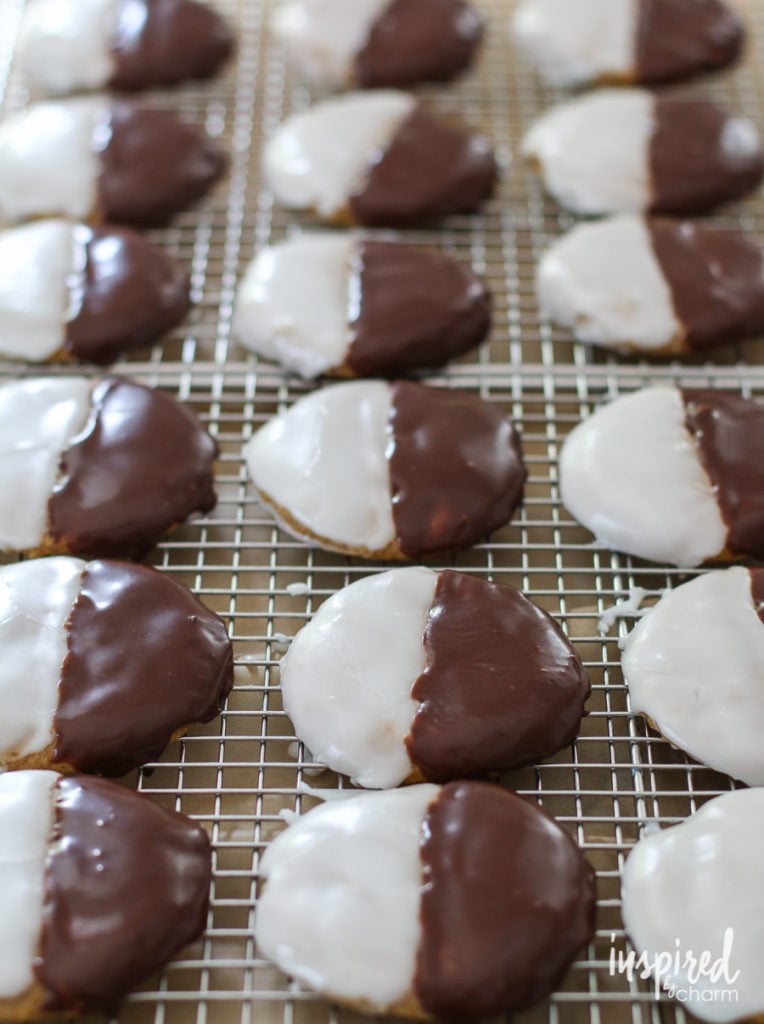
(347, 678)
(67, 45)
(324, 462)
(26, 825)
(38, 419)
(340, 907)
(632, 475)
(685, 886)
(49, 159)
(603, 282)
(293, 304)
(694, 665)
(323, 37)
(575, 43)
(320, 158)
(593, 151)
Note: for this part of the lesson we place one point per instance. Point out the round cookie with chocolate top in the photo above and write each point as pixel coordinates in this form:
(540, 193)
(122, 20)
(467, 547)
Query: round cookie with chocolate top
(398, 163)
(100, 467)
(97, 158)
(99, 887)
(453, 903)
(343, 306)
(632, 151)
(396, 471)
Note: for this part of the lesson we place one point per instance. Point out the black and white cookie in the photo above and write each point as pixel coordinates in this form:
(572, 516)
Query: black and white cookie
(68, 46)
(343, 306)
(380, 159)
(631, 151)
(670, 474)
(375, 44)
(96, 158)
(654, 285)
(103, 663)
(98, 467)
(414, 674)
(389, 470)
(71, 292)
(99, 887)
(439, 904)
(646, 41)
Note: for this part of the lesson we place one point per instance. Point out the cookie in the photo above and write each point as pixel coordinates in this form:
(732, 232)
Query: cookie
(647, 41)
(654, 285)
(398, 163)
(344, 306)
(99, 887)
(670, 474)
(414, 674)
(68, 46)
(698, 888)
(630, 151)
(453, 903)
(100, 467)
(376, 44)
(394, 471)
(102, 159)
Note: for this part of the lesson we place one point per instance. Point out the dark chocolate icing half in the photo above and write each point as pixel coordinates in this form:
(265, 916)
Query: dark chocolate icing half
(506, 902)
(729, 433)
(163, 42)
(126, 887)
(142, 464)
(132, 293)
(757, 591)
(502, 687)
(419, 41)
(430, 169)
(456, 468)
(698, 158)
(144, 659)
(418, 307)
(153, 166)
(679, 38)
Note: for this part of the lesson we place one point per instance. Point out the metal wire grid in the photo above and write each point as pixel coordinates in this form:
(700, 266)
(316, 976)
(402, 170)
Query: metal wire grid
(241, 773)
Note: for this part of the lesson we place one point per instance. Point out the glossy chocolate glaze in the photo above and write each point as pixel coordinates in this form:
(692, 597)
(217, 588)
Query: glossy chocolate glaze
(679, 38)
(154, 166)
(143, 463)
(716, 279)
(163, 42)
(694, 164)
(502, 686)
(729, 433)
(126, 886)
(456, 468)
(757, 590)
(418, 307)
(507, 901)
(419, 41)
(132, 293)
(144, 658)
(430, 169)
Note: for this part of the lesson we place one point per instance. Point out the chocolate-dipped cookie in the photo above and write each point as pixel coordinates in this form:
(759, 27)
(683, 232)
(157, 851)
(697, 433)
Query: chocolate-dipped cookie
(658, 286)
(343, 306)
(394, 471)
(378, 43)
(99, 887)
(70, 292)
(453, 903)
(103, 663)
(99, 467)
(631, 151)
(417, 675)
(397, 164)
(647, 41)
(102, 159)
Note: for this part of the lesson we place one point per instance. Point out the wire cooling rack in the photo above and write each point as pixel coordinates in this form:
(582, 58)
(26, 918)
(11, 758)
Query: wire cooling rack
(241, 773)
